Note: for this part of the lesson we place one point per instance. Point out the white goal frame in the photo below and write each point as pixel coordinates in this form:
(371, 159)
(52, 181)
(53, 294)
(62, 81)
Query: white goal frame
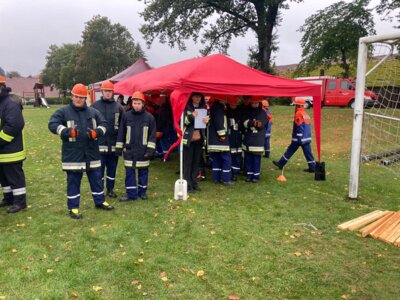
(359, 107)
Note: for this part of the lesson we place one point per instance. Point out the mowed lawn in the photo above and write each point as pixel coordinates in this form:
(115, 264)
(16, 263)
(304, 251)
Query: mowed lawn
(242, 241)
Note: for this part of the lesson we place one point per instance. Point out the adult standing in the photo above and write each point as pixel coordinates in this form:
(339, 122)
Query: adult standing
(267, 143)
(12, 151)
(112, 111)
(79, 127)
(301, 137)
(235, 135)
(137, 134)
(192, 140)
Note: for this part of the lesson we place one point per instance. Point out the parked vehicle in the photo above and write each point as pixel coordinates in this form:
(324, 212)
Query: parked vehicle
(337, 92)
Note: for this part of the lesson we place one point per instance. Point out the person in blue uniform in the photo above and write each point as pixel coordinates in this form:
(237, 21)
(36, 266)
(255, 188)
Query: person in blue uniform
(12, 151)
(267, 143)
(234, 116)
(112, 111)
(301, 137)
(79, 127)
(254, 124)
(137, 137)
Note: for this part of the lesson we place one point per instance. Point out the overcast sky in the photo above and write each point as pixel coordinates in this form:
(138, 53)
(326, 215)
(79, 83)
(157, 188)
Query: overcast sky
(30, 27)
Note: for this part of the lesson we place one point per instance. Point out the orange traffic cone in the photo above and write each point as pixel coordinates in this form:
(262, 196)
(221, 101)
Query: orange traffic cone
(281, 177)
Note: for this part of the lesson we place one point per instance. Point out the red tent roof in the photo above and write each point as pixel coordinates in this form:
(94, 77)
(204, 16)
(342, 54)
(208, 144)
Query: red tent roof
(138, 67)
(217, 74)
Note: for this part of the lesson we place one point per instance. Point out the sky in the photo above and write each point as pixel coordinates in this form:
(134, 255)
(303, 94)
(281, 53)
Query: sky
(30, 27)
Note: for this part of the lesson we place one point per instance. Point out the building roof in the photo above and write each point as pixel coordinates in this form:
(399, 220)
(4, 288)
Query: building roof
(23, 87)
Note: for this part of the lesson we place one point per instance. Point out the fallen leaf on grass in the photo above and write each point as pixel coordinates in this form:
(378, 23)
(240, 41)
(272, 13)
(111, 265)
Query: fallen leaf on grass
(200, 274)
(92, 230)
(163, 276)
(57, 259)
(135, 282)
(14, 250)
(296, 235)
(26, 268)
(170, 285)
(212, 232)
(97, 288)
(345, 297)
(308, 252)
(184, 270)
(140, 260)
(73, 294)
(49, 270)
(139, 287)
(233, 297)
(2, 297)
(297, 253)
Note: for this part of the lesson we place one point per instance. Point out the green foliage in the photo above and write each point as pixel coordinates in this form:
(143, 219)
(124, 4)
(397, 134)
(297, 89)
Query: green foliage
(242, 237)
(107, 49)
(60, 66)
(214, 24)
(332, 34)
(12, 74)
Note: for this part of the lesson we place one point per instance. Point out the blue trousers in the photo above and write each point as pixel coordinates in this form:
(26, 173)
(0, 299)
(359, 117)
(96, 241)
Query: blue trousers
(221, 166)
(74, 187)
(292, 150)
(236, 163)
(253, 165)
(267, 146)
(134, 190)
(109, 161)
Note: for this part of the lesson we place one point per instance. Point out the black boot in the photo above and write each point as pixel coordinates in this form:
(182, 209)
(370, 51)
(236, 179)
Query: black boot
(16, 208)
(5, 202)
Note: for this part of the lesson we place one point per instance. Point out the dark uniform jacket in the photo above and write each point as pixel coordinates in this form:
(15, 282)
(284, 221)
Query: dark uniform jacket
(80, 151)
(217, 127)
(112, 112)
(189, 124)
(138, 134)
(11, 130)
(254, 137)
(235, 135)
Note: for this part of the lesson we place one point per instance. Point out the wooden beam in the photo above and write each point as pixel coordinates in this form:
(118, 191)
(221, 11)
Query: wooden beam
(346, 225)
(368, 229)
(378, 231)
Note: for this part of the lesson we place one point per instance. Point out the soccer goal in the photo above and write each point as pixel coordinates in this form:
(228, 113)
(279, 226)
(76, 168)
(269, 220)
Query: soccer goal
(376, 131)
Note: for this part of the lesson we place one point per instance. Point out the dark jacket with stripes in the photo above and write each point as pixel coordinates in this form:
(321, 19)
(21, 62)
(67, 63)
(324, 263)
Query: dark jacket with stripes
(217, 127)
(112, 112)
(189, 123)
(137, 134)
(235, 135)
(11, 130)
(254, 138)
(80, 151)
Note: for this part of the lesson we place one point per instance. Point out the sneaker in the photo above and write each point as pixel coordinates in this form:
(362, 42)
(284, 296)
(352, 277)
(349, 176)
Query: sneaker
(277, 164)
(74, 213)
(111, 194)
(105, 205)
(125, 198)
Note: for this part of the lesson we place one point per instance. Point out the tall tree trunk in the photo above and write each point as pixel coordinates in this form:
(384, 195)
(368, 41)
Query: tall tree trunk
(345, 65)
(266, 22)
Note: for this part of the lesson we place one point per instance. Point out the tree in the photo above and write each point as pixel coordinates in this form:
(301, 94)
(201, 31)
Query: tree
(107, 49)
(331, 35)
(60, 66)
(2, 72)
(12, 74)
(387, 7)
(214, 23)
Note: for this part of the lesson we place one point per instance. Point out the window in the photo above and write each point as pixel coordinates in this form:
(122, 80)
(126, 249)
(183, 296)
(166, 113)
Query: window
(332, 85)
(345, 85)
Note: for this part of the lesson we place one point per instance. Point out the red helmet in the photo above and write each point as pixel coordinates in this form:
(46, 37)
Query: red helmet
(233, 100)
(256, 99)
(107, 85)
(265, 103)
(299, 101)
(138, 95)
(2, 79)
(79, 90)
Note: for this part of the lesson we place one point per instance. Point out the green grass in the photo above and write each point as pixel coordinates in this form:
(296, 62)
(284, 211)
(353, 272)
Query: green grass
(240, 236)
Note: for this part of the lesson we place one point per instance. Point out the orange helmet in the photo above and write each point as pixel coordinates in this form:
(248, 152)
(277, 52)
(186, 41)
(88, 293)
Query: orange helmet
(107, 85)
(299, 101)
(79, 90)
(265, 103)
(2, 79)
(138, 95)
(233, 100)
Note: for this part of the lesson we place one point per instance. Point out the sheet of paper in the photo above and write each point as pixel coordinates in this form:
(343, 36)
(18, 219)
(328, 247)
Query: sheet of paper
(198, 121)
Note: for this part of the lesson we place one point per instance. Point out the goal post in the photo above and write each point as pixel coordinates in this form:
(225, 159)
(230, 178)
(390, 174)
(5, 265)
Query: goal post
(365, 47)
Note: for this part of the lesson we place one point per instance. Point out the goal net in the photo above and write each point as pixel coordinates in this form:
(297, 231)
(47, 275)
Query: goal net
(376, 131)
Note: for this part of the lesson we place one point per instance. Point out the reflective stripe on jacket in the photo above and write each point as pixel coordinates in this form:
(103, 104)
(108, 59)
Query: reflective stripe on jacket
(301, 132)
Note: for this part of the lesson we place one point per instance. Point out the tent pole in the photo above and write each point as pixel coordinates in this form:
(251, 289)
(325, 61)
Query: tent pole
(181, 152)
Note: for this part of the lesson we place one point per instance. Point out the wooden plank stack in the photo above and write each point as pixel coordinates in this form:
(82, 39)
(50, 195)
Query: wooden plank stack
(382, 225)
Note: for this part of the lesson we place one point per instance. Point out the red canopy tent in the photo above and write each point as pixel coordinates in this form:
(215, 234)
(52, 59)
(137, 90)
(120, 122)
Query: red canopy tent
(218, 74)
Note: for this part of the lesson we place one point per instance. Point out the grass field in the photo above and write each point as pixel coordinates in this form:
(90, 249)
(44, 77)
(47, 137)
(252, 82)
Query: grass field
(224, 241)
